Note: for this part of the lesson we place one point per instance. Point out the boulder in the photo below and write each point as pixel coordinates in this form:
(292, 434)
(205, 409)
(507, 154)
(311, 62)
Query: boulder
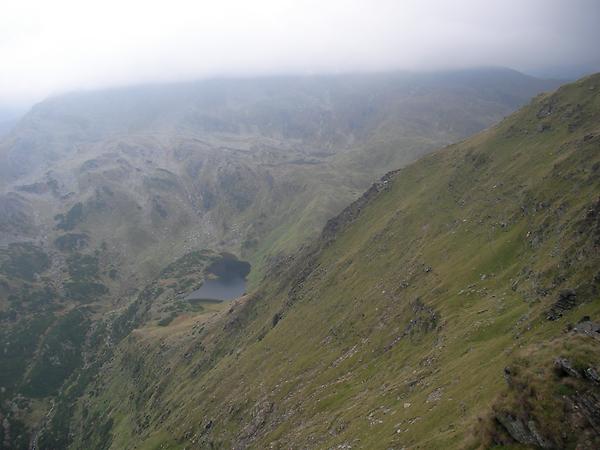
(564, 366)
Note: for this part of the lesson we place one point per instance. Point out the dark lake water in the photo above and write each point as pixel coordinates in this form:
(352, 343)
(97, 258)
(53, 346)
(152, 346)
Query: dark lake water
(219, 289)
(225, 279)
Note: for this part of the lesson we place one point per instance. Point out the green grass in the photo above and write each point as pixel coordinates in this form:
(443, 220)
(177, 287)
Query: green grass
(59, 356)
(457, 231)
(19, 345)
(23, 260)
(84, 291)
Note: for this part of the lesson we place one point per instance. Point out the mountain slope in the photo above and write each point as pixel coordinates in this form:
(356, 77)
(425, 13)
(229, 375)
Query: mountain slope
(394, 329)
(114, 204)
(251, 166)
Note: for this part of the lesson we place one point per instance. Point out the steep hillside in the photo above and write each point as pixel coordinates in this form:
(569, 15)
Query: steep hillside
(436, 311)
(114, 204)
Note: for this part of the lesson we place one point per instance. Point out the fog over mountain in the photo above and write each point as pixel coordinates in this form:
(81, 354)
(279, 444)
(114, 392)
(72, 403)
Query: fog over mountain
(277, 224)
(51, 47)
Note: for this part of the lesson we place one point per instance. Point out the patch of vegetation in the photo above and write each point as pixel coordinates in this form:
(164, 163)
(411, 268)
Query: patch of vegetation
(189, 263)
(57, 433)
(23, 260)
(33, 299)
(83, 267)
(197, 302)
(14, 431)
(17, 347)
(237, 185)
(60, 355)
(84, 291)
(71, 219)
(71, 242)
(228, 266)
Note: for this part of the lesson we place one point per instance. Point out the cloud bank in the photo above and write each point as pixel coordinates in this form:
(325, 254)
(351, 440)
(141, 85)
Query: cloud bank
(47, 47)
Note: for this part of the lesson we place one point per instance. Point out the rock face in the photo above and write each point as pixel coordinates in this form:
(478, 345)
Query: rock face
(565, 367)
(567, 300)
(587, 327)
(522, 432)
(553, 405)
(260, 415)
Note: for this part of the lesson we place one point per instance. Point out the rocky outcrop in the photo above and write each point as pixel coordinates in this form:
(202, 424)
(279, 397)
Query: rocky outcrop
(590, 225)
(260, 414)
(567, 300)
(521, 431)
(587, 327)
(565, 367)
(553, 405)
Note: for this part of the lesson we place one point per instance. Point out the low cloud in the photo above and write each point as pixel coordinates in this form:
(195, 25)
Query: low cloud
(49, 47)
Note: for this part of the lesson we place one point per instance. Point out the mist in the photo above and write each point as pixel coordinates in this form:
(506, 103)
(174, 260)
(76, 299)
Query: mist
(50, 47)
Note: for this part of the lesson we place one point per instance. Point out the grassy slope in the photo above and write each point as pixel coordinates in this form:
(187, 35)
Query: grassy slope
(394, 333)
(126, 181)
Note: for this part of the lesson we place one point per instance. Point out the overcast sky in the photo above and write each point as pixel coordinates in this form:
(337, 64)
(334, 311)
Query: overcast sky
(49, 46)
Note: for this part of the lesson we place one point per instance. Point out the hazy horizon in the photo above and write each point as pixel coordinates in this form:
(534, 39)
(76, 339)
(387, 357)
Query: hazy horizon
(52, 48)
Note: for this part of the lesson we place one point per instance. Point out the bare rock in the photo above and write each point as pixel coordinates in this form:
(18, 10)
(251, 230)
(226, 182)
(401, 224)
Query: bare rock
(564, 366)
(567, 299)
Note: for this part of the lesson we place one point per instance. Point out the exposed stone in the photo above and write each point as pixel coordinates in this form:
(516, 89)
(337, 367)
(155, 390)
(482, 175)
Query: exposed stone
(435, 395)
(588, 328)
(592, 374)
(543, 127)
(260, 414)
(586, 406)
(567, 299)
(546, 110)
(508, 375)
(516, 428)
(526, 433)
(538, 437)
(565, 367)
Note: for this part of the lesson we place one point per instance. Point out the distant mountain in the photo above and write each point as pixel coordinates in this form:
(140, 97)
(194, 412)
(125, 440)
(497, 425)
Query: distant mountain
(248, 158)
(115, 204)
(455, 304)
